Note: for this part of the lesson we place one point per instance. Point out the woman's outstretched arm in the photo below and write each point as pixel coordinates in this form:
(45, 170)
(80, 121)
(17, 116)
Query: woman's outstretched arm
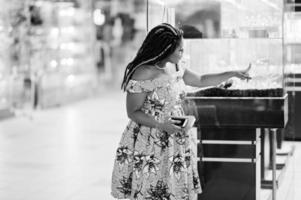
(196, 80)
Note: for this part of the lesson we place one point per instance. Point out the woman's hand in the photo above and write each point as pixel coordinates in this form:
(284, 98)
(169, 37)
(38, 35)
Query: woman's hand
(169, 126)
(243, 74)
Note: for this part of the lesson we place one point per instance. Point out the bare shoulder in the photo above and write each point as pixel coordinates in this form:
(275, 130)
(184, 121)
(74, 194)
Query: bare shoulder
(145, 72)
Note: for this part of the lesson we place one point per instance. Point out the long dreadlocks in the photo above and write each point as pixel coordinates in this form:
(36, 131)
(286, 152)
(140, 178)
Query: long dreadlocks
(159, 43)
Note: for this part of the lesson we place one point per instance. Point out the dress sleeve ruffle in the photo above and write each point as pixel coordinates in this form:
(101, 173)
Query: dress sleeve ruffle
(137, 86)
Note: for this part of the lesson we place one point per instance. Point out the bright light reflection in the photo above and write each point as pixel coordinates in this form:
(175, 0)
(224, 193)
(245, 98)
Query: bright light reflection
(67, 46)
(67, 61)
(98, 17)
(68, 30)
(160, 2)
(53, 63)
(70, 79)
(54, 32)
(67, 12)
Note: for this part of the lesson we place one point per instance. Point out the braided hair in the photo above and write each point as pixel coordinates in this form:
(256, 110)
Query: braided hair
(159, 43)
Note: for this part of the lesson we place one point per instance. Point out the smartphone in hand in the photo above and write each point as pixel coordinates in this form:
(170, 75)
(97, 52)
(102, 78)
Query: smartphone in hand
(180, 121)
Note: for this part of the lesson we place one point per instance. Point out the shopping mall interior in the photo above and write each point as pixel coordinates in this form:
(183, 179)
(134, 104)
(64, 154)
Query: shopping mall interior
(62, 110)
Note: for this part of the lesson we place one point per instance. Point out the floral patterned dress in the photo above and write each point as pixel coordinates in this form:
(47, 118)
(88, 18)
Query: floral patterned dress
(151, 164)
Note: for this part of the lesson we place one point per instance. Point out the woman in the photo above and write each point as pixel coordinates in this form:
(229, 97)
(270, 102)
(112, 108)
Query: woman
(154, 160)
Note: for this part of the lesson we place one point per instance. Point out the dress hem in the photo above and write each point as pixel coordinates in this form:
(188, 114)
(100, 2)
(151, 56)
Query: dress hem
(116, 196)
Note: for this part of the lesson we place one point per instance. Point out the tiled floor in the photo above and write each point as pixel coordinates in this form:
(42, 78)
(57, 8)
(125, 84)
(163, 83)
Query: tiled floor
(67, 153)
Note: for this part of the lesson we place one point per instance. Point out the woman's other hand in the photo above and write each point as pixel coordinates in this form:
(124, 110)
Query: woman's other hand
(169, 126)
(243, 74)
(226, 84)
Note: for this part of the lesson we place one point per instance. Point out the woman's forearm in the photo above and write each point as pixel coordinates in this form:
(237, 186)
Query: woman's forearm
(194, 79)
(144, 119)
(215, 79)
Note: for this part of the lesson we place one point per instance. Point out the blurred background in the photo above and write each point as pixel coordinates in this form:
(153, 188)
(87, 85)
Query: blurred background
(53, 51)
